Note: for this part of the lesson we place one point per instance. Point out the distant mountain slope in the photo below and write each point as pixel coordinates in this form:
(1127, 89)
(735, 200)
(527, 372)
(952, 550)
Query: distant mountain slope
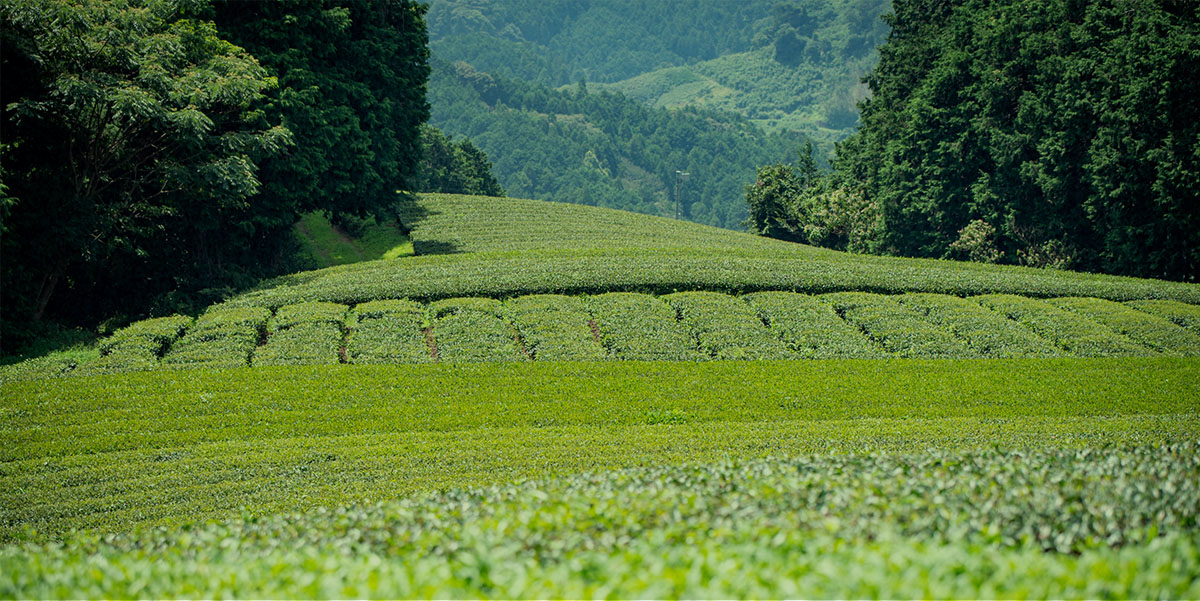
(604, 149)
(787, 65)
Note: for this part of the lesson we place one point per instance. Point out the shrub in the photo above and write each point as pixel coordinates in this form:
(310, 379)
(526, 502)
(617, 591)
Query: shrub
(983, 330)
(725, 327)
(810, 328)
(896, 328)
(555, 327)
(1074, 333)
(641, 327)
(1150, 330)
(388, 332)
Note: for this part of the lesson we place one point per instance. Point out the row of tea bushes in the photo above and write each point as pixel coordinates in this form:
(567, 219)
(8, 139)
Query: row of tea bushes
(726, 327)
(810, 328)
(555, 327)
(1074, 333)
(895, 327)
(1145, 328)
(640, 327)
(984, 331)
(683, 326)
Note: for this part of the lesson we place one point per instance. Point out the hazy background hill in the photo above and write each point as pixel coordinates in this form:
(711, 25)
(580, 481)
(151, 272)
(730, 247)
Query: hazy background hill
(748, 84)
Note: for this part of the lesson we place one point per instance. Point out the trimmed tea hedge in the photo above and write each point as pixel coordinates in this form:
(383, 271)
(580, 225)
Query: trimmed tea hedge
(895, 327)
(555, 328)
(641, 327)
(388, 332)
(725, 327)
(1074, 333)
(984, 331)
(1153, 331)
(810, 328)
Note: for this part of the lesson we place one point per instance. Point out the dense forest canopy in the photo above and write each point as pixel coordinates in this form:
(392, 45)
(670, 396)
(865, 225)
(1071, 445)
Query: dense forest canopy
(1046, 133)
(603, 149)
(1069, 128)
(156, 153)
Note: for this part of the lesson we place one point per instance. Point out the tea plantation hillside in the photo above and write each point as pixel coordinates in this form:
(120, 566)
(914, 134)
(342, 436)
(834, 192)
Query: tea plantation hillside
(557, 400)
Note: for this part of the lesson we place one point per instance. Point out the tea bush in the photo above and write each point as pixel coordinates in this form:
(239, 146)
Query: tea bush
(725, 327)
(1074, 333)
(1153, 331)
(810, 328)
(388, 332)
(555, 328)
(983, 330)
(896, 327)
(642, 328)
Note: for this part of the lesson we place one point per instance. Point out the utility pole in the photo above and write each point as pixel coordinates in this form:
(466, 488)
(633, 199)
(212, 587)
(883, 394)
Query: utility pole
(679, 175)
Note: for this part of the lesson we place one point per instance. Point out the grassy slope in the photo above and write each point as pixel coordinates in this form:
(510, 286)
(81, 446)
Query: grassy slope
(326, 245)
(125, 451)
(476, 246)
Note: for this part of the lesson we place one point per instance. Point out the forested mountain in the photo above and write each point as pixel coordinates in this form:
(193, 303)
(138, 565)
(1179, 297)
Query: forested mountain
(604, 149)
(1045, 132)
(786, 67)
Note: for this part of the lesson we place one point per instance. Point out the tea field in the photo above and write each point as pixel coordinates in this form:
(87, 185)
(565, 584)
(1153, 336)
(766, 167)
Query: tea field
(563, 401)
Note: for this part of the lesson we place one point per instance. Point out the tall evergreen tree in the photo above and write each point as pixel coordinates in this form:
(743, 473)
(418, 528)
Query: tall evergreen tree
(1069, 127)
(352, 77)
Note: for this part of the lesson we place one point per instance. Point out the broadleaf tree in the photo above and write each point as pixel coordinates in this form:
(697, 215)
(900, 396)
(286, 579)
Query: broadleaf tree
(130, 143)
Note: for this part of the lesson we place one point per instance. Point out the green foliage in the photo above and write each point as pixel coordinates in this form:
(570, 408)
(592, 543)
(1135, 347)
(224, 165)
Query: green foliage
(316, 312)
(947, 523)
(897, 329)
(811, 328)
(221, 338)
(132, 139)
(555, 328)
(725, 327)
(454, 167)
(798, 203)
(154, 333)
(1076, 334)
(604, 149)
(1155, 332)
(324, 244)
(1182, 314)
(986, 112)
(304, 334)
(472, 329)
(389, 331)
(116, 452)
(984, 331)
(731, 56)
(352, 81)
(641, 327)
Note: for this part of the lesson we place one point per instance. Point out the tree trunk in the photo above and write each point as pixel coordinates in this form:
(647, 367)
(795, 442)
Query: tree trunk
(49, 282)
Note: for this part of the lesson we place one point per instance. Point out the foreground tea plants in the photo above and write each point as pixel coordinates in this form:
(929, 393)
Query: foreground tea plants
(163, 447)
(1115, 522)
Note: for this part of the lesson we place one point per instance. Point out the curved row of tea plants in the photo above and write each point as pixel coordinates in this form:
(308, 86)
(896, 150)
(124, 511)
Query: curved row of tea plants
(630, 326)
(1117, 522)
(115, 451)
